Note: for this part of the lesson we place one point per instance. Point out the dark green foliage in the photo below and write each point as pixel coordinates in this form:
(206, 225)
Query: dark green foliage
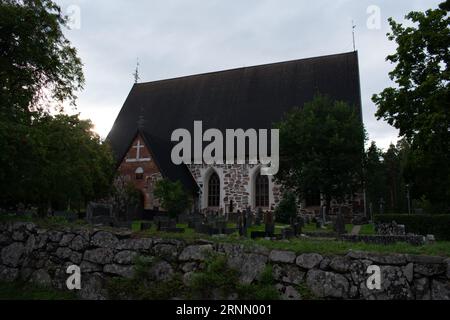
(438, 224)
(287, 208)
(217, 278)
(46, 161)
(37, 62)
(418, 104)
(322, 149)
(143, 286)
(66, 165)
(264, 289)
(27, 291)
(173, 197)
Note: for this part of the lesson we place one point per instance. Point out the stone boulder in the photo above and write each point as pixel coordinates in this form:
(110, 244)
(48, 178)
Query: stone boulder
(166, 251)
(309, 260)
(290, 274)
(141, 244)
(324, 284)
(41, 277)
(340, 264)
(8, 274)
(104, 239)
(119, 270)
(99, 255)
(440, 290)
(79, 243)
(196, 252)
(249, 265)
(161, 271)
(66, 239)
(93, 287)
(282, 256)
(125, 257)
(12, 254)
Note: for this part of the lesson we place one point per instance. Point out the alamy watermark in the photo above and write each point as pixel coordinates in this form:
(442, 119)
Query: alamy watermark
(73, 282)
(235, 139)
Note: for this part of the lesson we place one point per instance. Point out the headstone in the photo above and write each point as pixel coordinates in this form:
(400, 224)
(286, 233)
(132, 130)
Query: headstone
(269, 224)
(146, 226)
(100, 213)
(339, 223)
(257, 234)
(287, 233)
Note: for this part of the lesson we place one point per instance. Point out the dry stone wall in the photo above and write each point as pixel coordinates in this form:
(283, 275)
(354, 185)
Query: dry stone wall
(30, 253)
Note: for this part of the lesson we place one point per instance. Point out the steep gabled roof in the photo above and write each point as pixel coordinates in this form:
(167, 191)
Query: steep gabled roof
(250, 97)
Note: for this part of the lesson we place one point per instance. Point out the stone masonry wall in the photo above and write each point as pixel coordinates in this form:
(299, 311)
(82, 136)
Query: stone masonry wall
(33, 254)
(237, 184)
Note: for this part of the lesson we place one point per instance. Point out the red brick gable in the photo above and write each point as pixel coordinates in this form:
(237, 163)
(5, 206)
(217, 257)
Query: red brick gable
(139, 168)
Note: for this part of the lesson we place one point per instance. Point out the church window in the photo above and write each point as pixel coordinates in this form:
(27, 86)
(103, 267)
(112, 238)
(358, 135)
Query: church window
(139, 173)
(214, 190)
(261, 191)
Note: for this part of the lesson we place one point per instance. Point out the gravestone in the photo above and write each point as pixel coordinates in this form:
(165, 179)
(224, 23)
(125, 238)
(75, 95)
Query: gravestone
(269, 224)
(146, 226)
(287, 233)
(259, 217)
(257, 234)
(339, 223)
(100, 213)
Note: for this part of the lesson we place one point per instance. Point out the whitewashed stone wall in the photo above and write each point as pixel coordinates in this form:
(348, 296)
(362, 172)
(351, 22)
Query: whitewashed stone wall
(237, 184)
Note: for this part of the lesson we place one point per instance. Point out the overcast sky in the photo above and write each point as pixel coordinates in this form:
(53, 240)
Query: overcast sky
(182, 37)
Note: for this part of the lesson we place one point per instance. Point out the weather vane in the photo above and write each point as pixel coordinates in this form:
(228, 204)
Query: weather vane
(136, 72)
(353, 34)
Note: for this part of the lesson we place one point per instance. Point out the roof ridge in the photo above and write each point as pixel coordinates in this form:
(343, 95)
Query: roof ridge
(249, 67)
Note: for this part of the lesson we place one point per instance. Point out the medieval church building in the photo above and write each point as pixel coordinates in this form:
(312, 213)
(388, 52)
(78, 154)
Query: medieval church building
(251, 97)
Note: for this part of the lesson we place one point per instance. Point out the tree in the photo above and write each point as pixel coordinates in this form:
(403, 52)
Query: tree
(67, 165)
(322, 147)
(287, 208)
(418, 104)
(46, 160)
(37, 62)
(172, 196)
(375, 177)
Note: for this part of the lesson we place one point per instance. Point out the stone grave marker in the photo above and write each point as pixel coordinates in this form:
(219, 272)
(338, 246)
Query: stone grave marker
(100, 213)
(269, 224)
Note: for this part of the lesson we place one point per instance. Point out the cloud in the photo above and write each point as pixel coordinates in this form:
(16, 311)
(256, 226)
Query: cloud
(181, 37)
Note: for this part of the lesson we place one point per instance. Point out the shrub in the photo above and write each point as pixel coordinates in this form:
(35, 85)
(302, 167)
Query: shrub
(287, 208)
(142, 286)
(423, 224)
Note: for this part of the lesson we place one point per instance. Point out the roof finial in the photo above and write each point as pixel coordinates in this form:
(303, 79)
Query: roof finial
(353, 34)
(141, 120)
(136, 72)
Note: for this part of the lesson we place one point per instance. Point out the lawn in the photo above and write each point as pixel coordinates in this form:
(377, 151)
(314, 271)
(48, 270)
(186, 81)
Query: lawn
(306, 245)
(299, 245)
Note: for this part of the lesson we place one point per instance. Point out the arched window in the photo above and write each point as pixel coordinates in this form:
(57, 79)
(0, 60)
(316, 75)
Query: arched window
(261, 191)
(139, 173)
(214, 190)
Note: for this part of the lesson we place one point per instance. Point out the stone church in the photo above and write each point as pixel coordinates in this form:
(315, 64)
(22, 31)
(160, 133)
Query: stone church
(243, 98)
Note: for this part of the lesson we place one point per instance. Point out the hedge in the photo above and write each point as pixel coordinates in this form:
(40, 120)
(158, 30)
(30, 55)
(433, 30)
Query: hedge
(422, 224)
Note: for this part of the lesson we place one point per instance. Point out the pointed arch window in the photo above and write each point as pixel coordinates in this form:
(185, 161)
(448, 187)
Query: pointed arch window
(139, 173)
(214, 190)
(261, 191)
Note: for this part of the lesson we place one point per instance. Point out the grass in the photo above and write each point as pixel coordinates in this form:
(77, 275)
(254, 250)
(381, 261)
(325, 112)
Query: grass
(299, 245)
(27, 291)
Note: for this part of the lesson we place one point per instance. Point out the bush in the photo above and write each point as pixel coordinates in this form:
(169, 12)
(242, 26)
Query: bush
(287, 208)
(423, 224)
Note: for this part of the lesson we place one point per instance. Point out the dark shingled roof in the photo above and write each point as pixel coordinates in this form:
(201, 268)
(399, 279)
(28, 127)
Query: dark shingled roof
(250, 97)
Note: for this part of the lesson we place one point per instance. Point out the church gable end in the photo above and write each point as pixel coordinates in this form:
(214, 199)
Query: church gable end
(140, 168)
